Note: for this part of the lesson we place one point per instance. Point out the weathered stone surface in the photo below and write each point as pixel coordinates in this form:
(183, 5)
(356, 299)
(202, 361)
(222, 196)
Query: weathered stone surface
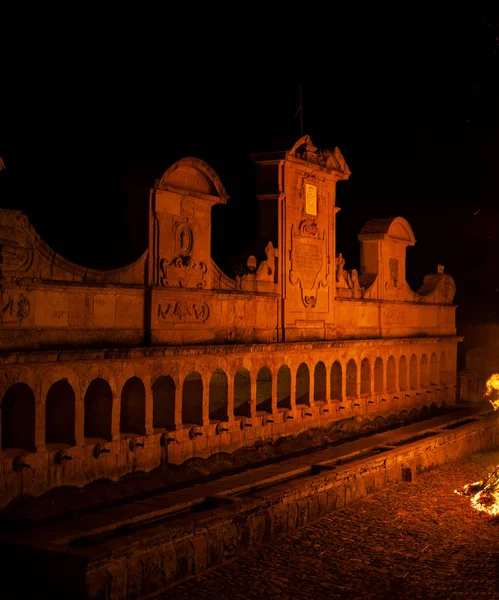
(168, 361)
(417, 540)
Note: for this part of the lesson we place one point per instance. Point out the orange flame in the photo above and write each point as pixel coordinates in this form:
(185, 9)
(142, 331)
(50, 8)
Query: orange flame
(492, 389)
(484, 494)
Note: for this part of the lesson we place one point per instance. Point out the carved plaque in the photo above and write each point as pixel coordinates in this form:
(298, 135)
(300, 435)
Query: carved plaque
(183, 312)
(307, 261)
(394, 316)
(308, 250)
(182, 272)
(310, 199)
(14, 308)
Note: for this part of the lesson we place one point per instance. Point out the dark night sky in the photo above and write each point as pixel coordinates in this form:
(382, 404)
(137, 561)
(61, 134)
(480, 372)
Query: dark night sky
(414, 110)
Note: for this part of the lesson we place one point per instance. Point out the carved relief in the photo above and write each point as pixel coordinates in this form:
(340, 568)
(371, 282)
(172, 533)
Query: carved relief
(308, 228)
(265, 271)
(394, 316)
(14, 257)
(308, 261)
(14, 308)
(395, 290)
(182, 272)
(184, 239)
(447, 290)
(394, 271)
(184, 312)
(348, 280)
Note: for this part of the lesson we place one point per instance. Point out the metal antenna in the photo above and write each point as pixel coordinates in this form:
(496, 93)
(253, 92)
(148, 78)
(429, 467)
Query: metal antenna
(300, 110)
(301, 113)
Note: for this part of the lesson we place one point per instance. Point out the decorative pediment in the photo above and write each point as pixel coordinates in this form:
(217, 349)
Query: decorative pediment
(394, 228)
(331, 161)
(438, 288)
(192, 176)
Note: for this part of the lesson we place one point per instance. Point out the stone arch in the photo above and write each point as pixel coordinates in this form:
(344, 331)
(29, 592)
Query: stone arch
(193, 175)
(98, 403)
(320, 382)
(60, 414)
(163, 402)
(378, 375)
(434, 377)
(242, 393)
(264, 389)
(403, 384)
(391, 374)
(218, 396)
(336, 381)
(303, 385)
(192, 399)
(396, 228)
(424, 373)
(284, 387)
(351, 374)
(18, 418)
(413, 372)
(133, 407)
(61, 374)
(100, 371)
(365, 377)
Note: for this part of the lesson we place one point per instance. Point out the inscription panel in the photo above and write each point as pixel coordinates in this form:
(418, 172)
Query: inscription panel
(307, 259)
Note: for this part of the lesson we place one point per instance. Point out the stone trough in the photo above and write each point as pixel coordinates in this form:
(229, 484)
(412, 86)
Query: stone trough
(136, 549)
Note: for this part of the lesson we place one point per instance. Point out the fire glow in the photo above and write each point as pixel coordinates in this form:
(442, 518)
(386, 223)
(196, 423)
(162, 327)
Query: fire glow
(484, 494)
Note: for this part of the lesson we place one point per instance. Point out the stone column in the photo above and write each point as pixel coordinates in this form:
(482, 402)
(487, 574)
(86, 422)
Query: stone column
(40, 424)
(79, 416)
(252, 397)
(206, 402)
(178, 406)
(274, 393)
(115, 415)
(383, 378)
(311, 389)
(397, 382)
(343, 382)
(230, 399)
(292, 396)
(327, 399)
(149, 406)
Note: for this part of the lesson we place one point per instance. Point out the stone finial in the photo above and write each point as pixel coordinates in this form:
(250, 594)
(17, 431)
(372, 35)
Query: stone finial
(440, 269)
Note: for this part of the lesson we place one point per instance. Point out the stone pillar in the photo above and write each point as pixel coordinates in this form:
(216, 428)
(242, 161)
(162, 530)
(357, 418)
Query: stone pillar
(39, 424)
(206, 403)
(343, 382)
(149, 406)
(311, 390)
(178, 405)
(397, 381)
(327, 399)
(230, 398)
(79, 416)
(115, 416)
(383, 378)
(274, 394)
(253, 397)
(292, 396)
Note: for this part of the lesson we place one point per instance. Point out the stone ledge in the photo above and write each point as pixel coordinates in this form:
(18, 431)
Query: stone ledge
(144, 560)
(154, 352)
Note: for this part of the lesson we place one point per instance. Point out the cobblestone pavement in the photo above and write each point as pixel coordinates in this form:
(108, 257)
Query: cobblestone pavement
(412, 540)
